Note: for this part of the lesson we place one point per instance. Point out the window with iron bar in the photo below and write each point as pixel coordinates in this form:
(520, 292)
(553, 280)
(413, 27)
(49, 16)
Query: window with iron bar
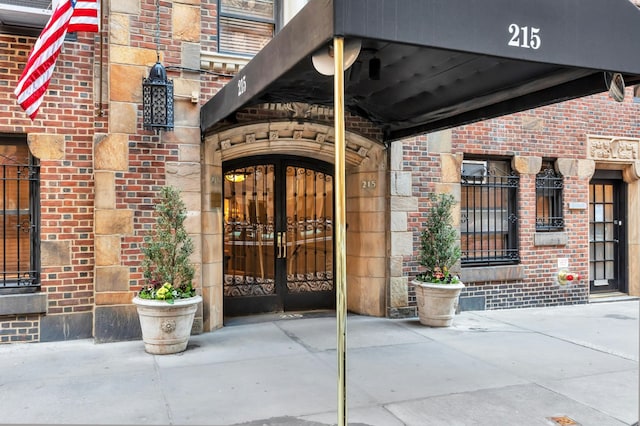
(549, 188)
(489, 221)
(20, 219)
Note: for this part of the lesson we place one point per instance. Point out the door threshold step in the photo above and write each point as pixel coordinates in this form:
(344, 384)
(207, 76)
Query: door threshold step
(277, 316)
(611, 296)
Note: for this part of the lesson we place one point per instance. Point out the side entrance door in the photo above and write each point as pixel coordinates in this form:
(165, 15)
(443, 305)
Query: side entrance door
(607, 236)
(278, 235)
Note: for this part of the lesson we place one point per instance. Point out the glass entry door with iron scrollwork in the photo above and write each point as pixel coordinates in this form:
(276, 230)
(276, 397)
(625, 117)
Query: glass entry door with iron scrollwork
(278, 236)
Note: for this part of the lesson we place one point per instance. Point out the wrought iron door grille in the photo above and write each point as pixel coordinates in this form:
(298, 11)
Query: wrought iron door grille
(489, 223)
(310, 227)
(20, 226)
(278, 242)
(249, 231)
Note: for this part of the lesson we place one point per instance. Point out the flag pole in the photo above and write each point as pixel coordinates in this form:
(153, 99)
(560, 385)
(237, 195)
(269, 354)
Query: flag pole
(340, 228)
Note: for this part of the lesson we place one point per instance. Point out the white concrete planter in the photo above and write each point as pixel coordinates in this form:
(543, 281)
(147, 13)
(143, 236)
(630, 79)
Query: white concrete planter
(437, 303)
(166, 327)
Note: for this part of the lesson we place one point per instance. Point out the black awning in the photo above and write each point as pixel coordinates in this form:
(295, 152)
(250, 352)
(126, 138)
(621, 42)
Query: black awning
(443, 63)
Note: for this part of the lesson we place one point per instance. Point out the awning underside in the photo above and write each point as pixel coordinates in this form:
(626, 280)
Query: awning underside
(422, 87)
(428, 89)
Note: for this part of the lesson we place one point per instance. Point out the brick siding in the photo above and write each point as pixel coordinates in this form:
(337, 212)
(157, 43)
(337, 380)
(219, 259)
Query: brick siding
(556, 131)
(19, 328)
(66, 185)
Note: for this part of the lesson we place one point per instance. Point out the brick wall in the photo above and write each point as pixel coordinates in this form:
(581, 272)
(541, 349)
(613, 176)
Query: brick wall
(556, 131)
(62, 137)
(425, 170)
(19, 328)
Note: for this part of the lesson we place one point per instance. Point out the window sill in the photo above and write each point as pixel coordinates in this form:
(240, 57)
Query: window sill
(22, 304)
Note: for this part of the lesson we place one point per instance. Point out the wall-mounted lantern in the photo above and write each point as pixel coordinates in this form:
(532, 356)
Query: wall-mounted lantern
(157, 99)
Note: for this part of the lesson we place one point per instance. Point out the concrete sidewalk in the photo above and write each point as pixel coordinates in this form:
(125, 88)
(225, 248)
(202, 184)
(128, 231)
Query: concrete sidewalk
(512, 367)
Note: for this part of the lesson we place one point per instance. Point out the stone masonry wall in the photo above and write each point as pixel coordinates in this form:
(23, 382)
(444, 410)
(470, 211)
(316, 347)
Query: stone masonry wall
(132, 164)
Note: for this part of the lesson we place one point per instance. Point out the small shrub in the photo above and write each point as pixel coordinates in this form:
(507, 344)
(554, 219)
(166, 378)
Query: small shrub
(165, 264)
(439, 249)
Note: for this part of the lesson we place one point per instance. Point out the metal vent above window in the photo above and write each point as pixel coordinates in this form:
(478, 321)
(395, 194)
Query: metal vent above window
(474, 172)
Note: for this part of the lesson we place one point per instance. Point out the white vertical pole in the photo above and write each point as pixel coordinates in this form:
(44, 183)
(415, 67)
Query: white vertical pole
(340, 228)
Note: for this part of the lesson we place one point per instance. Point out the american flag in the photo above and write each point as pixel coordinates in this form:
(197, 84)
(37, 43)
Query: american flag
(36, 75)
(86, 16)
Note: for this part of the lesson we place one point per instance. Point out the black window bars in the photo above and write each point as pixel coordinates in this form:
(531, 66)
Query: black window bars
(489, 220)
(549, 188)
(20, 225)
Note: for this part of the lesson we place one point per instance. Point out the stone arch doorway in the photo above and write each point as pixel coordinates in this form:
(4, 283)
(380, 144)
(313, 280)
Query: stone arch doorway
(278, 235)
(367, 176)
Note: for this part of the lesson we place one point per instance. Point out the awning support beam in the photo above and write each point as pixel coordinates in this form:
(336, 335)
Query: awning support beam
(340, 227)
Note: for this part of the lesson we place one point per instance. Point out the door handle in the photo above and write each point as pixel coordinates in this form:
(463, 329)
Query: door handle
(282, 245)
(279, 244)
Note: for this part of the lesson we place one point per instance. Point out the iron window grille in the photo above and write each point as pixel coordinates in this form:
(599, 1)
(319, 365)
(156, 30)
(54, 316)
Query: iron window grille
(549, 190)
(489, 221)
(20, 221)
(245, 26)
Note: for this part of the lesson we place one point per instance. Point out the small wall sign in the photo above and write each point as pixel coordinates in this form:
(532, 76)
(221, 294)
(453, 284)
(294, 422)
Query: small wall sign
(368, 184)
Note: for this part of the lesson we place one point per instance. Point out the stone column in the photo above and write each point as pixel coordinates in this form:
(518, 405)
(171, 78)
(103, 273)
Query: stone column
(631, 175)
(402, 202)
(366, 189)
(212, 235)
(112, 288)
(128, 64)
(450, 172)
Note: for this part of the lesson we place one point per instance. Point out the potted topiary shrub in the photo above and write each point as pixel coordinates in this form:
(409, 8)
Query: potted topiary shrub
(438, 288)
(167, 302)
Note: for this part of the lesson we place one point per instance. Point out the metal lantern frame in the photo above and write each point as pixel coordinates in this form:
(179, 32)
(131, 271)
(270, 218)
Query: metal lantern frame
(157, 99)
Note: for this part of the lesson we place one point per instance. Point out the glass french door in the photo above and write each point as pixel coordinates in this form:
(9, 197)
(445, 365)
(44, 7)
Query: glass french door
(278, 236)
(606, 236)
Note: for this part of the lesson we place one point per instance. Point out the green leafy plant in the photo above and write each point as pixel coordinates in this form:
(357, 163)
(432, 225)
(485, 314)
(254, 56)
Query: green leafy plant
(439, 249)
(166, 267)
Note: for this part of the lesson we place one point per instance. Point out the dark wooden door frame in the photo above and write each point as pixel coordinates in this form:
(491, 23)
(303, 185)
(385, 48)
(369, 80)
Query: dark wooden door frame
(282, 300)
(620, 227)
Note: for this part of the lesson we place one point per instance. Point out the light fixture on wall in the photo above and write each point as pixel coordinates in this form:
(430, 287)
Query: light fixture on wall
(157, 92)
(157, 99)
(235, 177)
(615, 85)
(323, 58)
